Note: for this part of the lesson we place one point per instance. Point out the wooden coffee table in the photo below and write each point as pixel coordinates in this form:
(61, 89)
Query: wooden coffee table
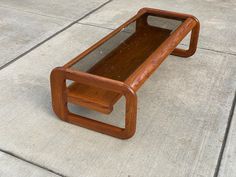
(124, 59)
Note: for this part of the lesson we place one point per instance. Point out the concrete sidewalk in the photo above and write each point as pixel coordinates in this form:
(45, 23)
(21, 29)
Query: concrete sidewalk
(186, 124)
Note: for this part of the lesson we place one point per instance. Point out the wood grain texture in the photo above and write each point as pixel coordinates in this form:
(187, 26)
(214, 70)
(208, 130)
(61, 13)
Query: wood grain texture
(121, 72)
(182, 115)
(118, 65)
(58, 77)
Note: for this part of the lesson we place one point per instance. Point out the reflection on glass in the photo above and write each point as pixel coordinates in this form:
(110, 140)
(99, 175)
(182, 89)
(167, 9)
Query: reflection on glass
(122, 54)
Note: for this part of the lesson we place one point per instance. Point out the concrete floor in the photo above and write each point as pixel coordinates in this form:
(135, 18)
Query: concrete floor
(186, 119)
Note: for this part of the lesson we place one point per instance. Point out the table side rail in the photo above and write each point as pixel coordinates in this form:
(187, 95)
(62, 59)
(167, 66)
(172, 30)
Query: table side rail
(138, 77)
(150, 11)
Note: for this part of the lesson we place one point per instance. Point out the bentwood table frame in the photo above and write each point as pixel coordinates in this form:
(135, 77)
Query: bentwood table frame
(128, 87)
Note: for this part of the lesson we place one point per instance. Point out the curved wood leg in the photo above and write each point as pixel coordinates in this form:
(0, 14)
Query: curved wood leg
(58, 93)
(59, 102)
(142, 22)
(193, 43)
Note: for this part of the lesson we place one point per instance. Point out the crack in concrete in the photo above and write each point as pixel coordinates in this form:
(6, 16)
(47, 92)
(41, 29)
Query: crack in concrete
(231, 114)
(32, 163)
(93, 25)
(213, 50)
(23, 54)
(216, 173)
(55, 34)
(35, 13)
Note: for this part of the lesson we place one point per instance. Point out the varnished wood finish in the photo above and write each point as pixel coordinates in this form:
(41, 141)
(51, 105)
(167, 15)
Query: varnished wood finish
(58, 78)
(123, 63)
(138, 77)
(121, 72)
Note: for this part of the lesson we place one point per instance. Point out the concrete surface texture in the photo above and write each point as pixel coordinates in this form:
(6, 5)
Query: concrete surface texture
(217, 17)
(11, 166)
(183, 109)
(20, 31)
(24, 24)
(229, 157)
(71, 10)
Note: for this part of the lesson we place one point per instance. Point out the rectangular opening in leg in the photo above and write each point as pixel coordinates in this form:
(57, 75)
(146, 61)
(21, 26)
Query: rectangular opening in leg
(115, 118)
(95, 98)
